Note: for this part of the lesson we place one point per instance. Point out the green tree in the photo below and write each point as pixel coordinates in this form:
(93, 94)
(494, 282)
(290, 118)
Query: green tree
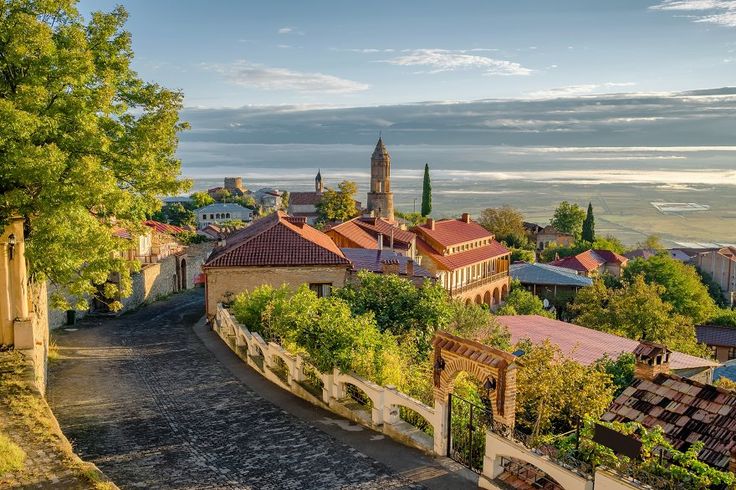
(222, 195)
(426, 193)
(588, 233)
(724, 317)
(523, 255)
(554, 391)
(652, 242)
(683, 288)
(175, 214)
(568, 218)
(620, 369)
(637, 311)
(507, 224)
(411, 219)
(338, 205)
(522, 302)
(85, 145)
(246, 200)
(201, 199)
(285, 200)
(609, 242)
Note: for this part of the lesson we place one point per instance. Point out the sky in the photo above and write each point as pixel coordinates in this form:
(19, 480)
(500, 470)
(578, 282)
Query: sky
(316, 54)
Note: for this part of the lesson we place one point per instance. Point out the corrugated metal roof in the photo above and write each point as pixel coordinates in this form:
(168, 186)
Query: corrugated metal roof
(716, 335)
(547, 274)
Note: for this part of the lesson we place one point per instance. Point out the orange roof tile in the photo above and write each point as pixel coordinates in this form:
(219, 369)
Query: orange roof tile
(590, 260)
(277, 240)
(461, 259)
(164, 227)
(364, 232)
(450, 232)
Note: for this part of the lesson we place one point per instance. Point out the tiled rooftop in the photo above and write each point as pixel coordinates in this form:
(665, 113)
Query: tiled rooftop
(449, 232)
(461, 259)
(277, 240)
(364, 232)
(585, 345)
(304, 198)
(716, 335)
(590, 260)
(370, 260)
(164, 227)
(687, 411)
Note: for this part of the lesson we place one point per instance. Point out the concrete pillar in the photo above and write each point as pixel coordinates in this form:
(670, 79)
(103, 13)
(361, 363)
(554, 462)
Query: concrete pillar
(6, 313)
(441, 428)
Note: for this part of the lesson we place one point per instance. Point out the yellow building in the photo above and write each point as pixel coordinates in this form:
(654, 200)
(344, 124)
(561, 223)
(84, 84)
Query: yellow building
(278, 249)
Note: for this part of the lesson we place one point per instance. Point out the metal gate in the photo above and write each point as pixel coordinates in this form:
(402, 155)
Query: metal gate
(466, 438)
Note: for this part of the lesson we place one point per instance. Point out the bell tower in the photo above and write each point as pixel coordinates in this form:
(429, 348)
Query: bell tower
(318, 185)
(380, 197)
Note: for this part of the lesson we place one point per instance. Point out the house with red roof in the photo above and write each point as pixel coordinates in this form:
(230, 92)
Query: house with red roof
(373, 233)
(277, 249)
(721, 266)
(592, 263)
(465, 258)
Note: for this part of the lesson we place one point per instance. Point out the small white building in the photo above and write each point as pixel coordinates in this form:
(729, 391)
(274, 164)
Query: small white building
(220, 212)
(268, 197)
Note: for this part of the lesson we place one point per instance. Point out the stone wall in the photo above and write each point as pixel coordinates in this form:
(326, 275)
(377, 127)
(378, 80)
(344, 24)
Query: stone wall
(40, 329)
(223, 283)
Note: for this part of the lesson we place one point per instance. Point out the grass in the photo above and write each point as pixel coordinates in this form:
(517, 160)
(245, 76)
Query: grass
(53, 354)
(27, 408)
(12, 457)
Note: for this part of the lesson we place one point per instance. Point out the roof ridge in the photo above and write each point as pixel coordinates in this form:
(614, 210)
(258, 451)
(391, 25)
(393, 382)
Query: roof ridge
(227, 249)
(294, 229)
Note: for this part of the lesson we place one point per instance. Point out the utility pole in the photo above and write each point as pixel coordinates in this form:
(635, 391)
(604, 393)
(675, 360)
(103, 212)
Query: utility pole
(415, 210)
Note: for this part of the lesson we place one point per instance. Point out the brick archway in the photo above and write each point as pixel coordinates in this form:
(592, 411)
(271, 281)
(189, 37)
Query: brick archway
(487, 298)
(478, 299)
(453, 355)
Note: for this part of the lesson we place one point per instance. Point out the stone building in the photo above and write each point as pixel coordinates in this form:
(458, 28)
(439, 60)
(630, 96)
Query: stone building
(550, 236)
(221, 212)
(721, 266)
(277, 249)
(380, 197)
(466, 259)
(304, 204)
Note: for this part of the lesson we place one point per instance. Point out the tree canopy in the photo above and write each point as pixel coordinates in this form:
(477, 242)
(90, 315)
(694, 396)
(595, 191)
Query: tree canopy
(637, 311)
(507, 224)
(85, 144)
(522, 302)
(588, 233)
(682, 284)
(201, 199)
(568, 218)
(338, 205)
(426, 192)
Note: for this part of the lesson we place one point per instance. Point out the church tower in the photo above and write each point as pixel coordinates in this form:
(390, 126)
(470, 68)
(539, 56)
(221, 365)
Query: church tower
(318, 185)
(380, 197)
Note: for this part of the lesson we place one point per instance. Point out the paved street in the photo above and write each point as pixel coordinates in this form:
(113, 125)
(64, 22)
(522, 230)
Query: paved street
(157, 405)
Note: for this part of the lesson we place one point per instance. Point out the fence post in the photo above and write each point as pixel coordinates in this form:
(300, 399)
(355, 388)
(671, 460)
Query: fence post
(390, 411)
(441, 427)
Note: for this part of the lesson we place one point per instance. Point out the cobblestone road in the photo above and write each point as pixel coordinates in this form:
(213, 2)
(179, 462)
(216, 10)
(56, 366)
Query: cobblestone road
(141, 397)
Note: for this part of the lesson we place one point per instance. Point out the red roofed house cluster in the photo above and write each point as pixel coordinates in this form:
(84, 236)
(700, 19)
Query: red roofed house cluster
(592, 263)
(466, 259)
(278, 249)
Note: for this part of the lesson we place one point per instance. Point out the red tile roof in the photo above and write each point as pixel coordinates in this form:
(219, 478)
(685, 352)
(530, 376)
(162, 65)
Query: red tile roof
(687, 411)
(585, 345)
(364, 232)
(449, 232)
(461, 259)
(590, 260)
(164, 227)
(277, 240)
(372, 260)
(304, 198)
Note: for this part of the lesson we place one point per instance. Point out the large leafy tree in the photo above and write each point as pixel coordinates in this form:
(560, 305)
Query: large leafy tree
(637, 311)
(201, 199)
(588, 233)
(85, 144)
(682, 285)
(338, 205)
(176, 214)
(507, 224)
(522, 302)
(568, 218)
(426, 192)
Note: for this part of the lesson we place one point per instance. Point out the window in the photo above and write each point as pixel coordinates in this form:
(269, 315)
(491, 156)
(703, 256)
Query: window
(732, 353)
(323, 289)
(204, 216)
(227, 215)
(212, 216)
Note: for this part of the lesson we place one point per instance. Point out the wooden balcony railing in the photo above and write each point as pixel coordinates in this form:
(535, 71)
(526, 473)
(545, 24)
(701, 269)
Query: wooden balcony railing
(481, 281)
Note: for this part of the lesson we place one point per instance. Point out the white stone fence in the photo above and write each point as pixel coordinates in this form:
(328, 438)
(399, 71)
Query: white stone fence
(332, 390)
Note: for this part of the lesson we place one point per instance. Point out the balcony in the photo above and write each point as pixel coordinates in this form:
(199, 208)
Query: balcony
(475, 283)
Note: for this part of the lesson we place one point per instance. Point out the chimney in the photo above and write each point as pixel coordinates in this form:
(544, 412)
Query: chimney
(390, 266)
(410, 268)
(430, 223)
(651, 360)
(465, 218)
(379, 241)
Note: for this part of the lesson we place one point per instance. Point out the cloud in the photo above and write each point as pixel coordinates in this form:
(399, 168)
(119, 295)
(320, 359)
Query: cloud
(443, 60)
(285, 30)
(720, 12)
(576, 90)
(261, 77)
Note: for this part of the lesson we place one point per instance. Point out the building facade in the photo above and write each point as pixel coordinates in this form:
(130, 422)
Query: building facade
(304, 204)
(593, 263)
(221, 212)
(721, 266)
(373, 233)
(277, 249)
(466, 259)
(380, 197)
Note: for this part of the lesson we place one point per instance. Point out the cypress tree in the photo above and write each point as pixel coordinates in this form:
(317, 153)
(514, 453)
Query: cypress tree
(426, 193)
(589, 225)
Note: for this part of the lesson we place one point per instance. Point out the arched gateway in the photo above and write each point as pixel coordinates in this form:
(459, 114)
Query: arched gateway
(491, 366)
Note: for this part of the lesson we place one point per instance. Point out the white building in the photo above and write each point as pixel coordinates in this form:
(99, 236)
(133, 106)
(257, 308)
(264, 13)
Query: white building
(220, 212)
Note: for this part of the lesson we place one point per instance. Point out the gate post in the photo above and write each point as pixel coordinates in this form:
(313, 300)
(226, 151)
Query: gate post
(441, 427)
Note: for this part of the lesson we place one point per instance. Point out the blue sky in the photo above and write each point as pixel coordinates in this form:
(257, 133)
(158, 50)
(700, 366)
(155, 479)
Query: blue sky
(349, 53)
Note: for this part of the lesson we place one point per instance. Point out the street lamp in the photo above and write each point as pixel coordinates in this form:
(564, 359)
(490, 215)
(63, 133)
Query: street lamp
(11, 245)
